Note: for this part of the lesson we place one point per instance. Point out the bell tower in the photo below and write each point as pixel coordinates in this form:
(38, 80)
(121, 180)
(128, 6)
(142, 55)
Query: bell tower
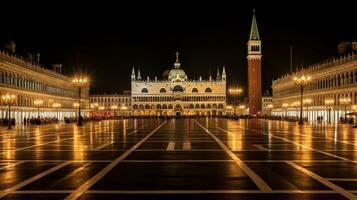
(254, 70)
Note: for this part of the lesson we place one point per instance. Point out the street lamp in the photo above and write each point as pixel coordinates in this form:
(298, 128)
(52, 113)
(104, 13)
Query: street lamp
(114, 108)
(38, 104)
(57, 106)
(79, 83)
(270, 107)
(307, 102)
(345, 102)
(301, 82)
(329, 103)
(235, 92)
(9, 100)
(285, 106)
(123, 109)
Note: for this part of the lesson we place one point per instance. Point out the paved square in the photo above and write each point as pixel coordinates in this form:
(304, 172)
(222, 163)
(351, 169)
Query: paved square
(179, 159)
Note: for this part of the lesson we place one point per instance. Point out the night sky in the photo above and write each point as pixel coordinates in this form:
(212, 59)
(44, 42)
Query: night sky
(106, 40)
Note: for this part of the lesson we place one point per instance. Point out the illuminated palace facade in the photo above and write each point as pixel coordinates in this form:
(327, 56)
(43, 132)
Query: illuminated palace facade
(37, 90)
(331, 92)
(177, 95)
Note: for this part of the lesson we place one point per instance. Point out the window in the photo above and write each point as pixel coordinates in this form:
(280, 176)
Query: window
(194, 90)
(207, 90)
(178, 88)
(162, 90)
(144, 90)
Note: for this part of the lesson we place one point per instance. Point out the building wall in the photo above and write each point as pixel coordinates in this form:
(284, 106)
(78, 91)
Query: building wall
(110, 105)
(254, 86)
(266, 101)
(30, 82)
(333, 79)
(186, 102)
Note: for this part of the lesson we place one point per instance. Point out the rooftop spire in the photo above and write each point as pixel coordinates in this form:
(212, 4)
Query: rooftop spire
(254, 33)
(177, 63)
(139, 75)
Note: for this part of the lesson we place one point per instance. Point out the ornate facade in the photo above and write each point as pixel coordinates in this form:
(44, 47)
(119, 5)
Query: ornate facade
(177, 95)
(254, 70)
(333, 82)
(30, 82)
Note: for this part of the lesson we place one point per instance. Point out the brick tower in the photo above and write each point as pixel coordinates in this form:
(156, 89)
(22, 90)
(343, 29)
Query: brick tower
(254, 70)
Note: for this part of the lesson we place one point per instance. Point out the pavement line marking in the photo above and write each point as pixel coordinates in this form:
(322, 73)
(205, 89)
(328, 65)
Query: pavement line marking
(304, 146)
(205, 191)
(176, 191)
(102, 146)
(42, 191)
(175, 161)
(255, 178)
(171, 191)
(186, 145)
(73, 172)
(261, 147)
(12, 165)
(32, 179)
(85, 187)
(334, 187)
(341, 179)
(137, 130)
(170, 146)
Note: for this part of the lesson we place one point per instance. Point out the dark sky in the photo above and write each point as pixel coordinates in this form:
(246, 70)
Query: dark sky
(106, 40)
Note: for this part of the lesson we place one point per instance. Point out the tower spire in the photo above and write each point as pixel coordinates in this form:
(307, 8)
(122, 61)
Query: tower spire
(254, 33)
(218, 76)
(139, 75)
(224, 74)
(177, 63)
(133, 74)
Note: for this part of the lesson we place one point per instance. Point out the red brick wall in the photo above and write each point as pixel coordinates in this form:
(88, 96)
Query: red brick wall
(254, 86)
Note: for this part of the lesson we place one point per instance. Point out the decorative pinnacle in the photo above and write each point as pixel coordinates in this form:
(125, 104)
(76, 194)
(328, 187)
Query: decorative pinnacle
(177, 63)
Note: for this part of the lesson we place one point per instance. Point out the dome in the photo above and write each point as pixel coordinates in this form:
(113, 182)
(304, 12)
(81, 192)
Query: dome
(177, 73)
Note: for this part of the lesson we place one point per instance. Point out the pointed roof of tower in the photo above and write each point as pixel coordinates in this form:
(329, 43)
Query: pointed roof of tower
(224, 70)
(139, 75)
(254, 33)
(133, 71)
(177, 63)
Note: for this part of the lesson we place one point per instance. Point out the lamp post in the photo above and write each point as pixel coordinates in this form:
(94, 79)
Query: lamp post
(307, 102)
(79, 83)
(345, 101)
(9, 100)
(114, 108)
(57, 106)
(270, 107)
(301, 82)
(123, 109)
(235, 92)
(38, 104)
(329, 103)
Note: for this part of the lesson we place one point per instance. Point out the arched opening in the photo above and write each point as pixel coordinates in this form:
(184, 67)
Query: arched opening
(144, 90)
(178, 88)
(162, 90)
(194, 90)
(207, 90)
